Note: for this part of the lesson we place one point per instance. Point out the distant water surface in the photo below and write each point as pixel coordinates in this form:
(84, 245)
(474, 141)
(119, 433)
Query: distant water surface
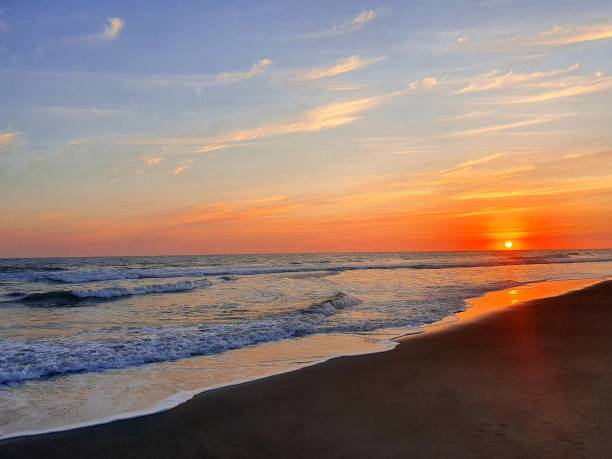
(88, 339)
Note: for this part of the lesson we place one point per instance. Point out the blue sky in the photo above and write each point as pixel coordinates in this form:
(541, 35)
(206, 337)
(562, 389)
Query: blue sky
(278, 115)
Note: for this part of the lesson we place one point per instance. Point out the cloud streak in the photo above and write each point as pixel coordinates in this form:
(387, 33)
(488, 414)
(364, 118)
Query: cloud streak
(327, 116)
(363, 18)
(504, 127)
(567, 89)
(349, 64)
(257, 68)
(474, 162)
(151, 162)
(584, 185)
(494, 80)
(558, 36)
(7, 138)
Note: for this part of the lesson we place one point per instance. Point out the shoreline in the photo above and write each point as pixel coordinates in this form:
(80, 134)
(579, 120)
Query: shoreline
(463, 318)
(475, 308)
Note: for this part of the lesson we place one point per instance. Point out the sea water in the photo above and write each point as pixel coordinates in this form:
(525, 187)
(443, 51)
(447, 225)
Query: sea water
(87, 340)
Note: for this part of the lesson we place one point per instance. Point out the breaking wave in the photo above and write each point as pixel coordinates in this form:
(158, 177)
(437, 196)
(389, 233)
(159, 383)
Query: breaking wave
(67, 297)
(333, 304)
(22, 360)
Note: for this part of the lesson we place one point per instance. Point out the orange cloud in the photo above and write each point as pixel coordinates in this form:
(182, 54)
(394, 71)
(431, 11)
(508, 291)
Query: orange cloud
(494, 80)
(568, 187)
(567, 90)
(112, 28)
(503, 127)
(7, 138)
(558, 36)
(343, 66)
(328, 116)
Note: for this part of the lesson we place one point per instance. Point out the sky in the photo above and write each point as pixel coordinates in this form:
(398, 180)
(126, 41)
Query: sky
(150, 128)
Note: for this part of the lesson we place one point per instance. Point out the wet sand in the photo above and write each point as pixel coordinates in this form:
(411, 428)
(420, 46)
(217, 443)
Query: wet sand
(531, 380)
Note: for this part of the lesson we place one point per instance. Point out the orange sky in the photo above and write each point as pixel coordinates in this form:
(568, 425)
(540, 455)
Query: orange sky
(385, 129)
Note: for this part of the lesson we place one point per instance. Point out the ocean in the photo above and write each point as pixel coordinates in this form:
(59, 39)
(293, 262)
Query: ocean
(87, 340)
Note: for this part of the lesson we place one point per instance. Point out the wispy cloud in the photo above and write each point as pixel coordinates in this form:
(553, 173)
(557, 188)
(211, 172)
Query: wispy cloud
(233, 211)
(331, 115)
(154, 161)
(588, 184)
(7, 138)
(327, 116)
(256, 69)
(494, 80)
(557, 36)
(425, 83)
(363, 18)
(567, 89)
(567, 35)
(342, 66)
(181, 169)
(503, 127)
(491, 211)
(474, 162)
(200, 81)
(112, 28)
(383, 197)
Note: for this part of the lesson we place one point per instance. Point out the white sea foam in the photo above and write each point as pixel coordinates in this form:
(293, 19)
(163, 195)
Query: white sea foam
(113, 292)
(22, 360)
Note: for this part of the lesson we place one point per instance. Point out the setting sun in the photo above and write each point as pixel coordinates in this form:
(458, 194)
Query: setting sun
(508, 244)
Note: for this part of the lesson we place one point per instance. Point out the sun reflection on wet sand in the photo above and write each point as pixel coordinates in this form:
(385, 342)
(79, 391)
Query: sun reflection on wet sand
(496, 301)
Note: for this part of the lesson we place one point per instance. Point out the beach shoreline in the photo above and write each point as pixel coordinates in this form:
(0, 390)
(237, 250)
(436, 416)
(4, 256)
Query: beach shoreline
(272, 441)
(386, 340)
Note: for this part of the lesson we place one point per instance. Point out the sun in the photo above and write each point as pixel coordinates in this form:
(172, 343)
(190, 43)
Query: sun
(508, 244)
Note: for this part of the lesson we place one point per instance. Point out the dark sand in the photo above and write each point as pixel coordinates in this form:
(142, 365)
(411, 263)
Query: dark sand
(529, 381)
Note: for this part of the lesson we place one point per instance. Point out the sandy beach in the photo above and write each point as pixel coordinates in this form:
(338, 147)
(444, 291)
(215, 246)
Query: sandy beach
(531, 380)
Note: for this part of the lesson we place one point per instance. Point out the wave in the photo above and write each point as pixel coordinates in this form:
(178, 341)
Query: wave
(22, 360)
(67, 297)
(122, 347)
(333, 304)
(85, 276)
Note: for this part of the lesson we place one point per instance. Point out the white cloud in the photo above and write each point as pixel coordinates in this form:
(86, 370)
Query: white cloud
(463, 40)
(256, 69)
(363, 18)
